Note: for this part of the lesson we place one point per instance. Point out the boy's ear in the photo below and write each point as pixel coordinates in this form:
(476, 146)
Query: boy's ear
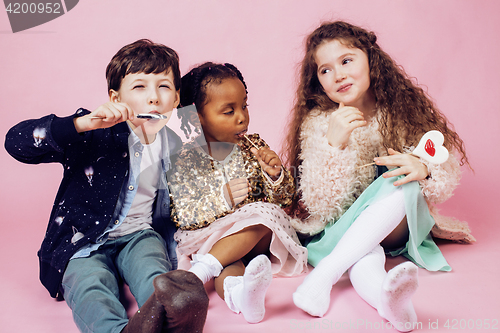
(113, 96)
(177, 98)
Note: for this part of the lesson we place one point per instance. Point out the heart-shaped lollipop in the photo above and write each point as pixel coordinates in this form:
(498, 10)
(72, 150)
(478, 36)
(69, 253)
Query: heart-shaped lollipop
(431, 148)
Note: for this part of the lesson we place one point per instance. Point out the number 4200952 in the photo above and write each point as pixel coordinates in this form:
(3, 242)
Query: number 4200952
(33, 8)
(455, 324)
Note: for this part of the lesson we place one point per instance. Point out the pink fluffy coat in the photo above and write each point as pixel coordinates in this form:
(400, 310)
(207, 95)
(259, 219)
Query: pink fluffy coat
(331, 182)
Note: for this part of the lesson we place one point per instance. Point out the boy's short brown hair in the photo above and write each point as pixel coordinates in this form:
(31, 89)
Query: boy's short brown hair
(142, 56)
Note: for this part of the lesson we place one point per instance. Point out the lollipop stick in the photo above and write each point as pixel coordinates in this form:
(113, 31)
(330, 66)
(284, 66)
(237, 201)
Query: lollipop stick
(362, 166)
(253, 144)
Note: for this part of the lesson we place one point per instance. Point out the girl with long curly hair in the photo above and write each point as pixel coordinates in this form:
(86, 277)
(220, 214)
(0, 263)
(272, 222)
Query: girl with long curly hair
(355, 106)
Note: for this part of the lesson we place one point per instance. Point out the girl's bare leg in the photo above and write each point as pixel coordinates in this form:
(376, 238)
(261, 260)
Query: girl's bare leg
(243, 289)
(248, 243)
(235, 269)
(238, 268)
(255, 239)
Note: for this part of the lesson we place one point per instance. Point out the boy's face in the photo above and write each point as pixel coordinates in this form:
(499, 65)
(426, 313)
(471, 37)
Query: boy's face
(147, 93)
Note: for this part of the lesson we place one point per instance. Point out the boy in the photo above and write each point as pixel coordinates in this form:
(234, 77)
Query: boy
(111, 218)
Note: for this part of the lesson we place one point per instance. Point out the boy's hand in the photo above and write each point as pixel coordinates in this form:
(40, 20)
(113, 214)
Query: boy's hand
(268, 160)
(106, 115)
(236, 190)
(407, 164)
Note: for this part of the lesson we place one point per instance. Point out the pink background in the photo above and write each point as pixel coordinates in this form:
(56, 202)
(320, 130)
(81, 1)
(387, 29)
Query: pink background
(451, 46)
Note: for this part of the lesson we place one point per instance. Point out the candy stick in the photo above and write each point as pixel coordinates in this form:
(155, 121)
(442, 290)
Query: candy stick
(142, 115)
(362, 166)
(253, 144)
(151, 116)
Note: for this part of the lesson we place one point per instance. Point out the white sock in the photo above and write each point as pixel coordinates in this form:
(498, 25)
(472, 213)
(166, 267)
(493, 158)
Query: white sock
(395, 300)
(370, 228)
(389, 293)
(205, 266)
(368, 274)
(246, 294)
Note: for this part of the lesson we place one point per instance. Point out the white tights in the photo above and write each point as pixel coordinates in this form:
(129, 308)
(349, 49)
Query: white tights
(359, 250)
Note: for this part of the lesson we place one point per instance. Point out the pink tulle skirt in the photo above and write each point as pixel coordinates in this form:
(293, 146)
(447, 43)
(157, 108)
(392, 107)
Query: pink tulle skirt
(288, 256)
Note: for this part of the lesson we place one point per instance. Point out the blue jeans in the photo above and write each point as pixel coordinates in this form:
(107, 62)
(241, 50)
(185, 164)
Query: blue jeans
(91, 284)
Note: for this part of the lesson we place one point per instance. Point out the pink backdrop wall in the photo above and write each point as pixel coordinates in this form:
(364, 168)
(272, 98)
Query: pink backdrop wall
(451, 46)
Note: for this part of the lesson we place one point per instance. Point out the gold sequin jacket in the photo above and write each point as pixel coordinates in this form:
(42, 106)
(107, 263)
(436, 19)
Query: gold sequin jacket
(196, 179)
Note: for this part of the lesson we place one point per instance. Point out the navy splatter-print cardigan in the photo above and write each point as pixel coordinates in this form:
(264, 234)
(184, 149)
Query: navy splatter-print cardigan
(87, 197)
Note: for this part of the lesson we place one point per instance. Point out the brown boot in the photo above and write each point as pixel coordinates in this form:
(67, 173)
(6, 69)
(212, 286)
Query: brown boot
(184, 299)
(148, 319)
(179, 304)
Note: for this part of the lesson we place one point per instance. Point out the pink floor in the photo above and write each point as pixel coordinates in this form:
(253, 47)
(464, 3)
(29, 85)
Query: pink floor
(466, 297)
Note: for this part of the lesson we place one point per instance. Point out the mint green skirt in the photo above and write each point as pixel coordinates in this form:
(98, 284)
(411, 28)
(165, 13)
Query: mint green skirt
(420, 247)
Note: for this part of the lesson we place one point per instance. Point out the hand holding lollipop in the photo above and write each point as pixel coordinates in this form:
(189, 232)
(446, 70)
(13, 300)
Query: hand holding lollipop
(430, 148)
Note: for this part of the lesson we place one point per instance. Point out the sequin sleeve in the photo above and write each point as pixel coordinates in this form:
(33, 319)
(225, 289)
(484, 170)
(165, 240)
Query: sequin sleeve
(280, 192)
